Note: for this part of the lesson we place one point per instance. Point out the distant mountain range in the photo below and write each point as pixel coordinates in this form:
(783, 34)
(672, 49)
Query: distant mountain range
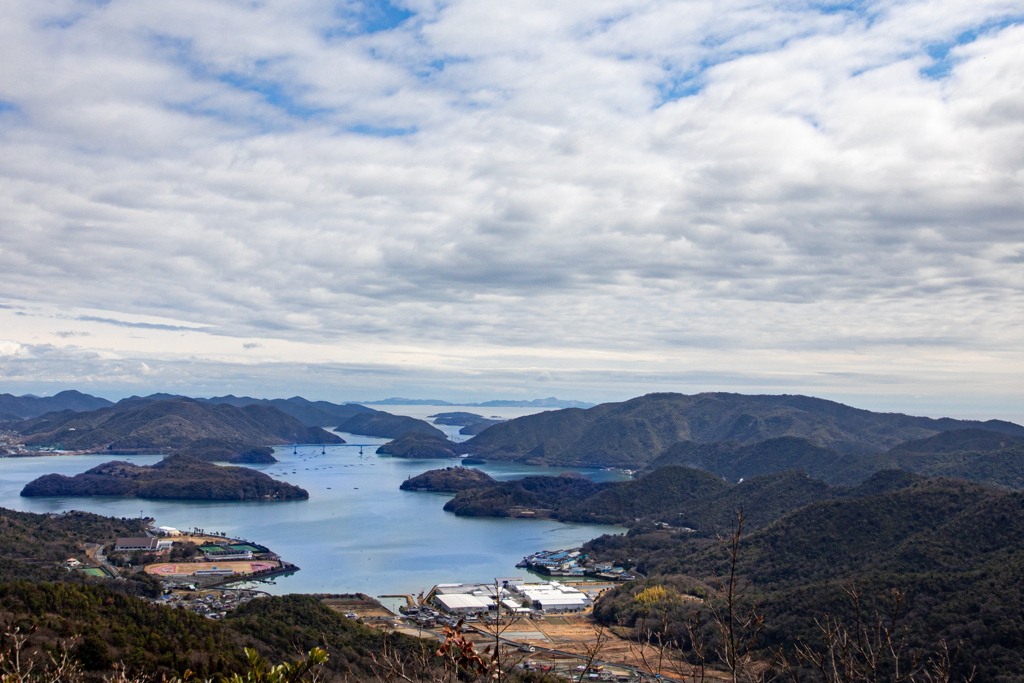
(165, 426)
(550, 402)
(22, 407)
(633, 433)
(309, 413)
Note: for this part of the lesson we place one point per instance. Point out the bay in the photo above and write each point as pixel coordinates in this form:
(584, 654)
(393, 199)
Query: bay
(357, 532)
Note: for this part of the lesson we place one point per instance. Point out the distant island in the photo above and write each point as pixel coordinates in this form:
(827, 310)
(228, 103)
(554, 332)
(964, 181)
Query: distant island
(471, 423)
(176, 477)
(448, 480)
(414, 444)
(386, 425)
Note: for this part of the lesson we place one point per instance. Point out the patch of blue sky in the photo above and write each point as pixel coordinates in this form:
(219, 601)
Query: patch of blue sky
(284, 99)
(11, 114)
(863, 11)
(943, 62)
(366, 17)
(860, 8)
(677, 89)
(382, 131)
(246, 124)
(273, 93)
(428, 70)
(69, 19)
(680, 83)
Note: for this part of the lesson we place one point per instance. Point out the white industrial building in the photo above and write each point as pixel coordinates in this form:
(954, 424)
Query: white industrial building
(464, 603)
(553, 597)
(148, 544)
(472, 598)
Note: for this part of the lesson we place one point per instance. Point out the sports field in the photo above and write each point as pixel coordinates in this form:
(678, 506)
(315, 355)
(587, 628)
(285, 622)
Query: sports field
(190, 568)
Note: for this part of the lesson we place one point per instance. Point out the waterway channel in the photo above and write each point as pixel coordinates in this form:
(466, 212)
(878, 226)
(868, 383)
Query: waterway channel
(357, 532)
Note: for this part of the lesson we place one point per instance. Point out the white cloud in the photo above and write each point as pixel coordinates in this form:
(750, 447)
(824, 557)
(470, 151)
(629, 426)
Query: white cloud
(736, 186)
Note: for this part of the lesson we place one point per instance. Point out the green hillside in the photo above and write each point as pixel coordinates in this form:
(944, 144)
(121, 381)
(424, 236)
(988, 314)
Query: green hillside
(386, 425)
(167, 426)
(674, 495)
(952, 547)
(633, 433)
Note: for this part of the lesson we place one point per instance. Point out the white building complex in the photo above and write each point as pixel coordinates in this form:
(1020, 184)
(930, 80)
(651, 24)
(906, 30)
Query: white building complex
(514, 594)
(553, 597)
(147, 544)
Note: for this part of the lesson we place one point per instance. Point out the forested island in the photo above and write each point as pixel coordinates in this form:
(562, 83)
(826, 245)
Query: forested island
(415, 444)
(386, 425)
(471, 423)
(176, 477)
(448, 480)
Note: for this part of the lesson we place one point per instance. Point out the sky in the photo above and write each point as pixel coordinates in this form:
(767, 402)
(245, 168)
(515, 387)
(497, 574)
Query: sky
(471, 200)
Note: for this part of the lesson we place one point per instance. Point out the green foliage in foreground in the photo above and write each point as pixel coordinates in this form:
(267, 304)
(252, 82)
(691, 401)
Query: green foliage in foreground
(952, 548)
(282, 625)
(105, 627)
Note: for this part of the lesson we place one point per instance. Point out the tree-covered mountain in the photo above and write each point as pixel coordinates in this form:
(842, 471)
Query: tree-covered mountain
(673, 495)
(951, 548)
(309, 413)
(166, 426)
(176, 477)
(976, 455)
(972, 454)
(632, 433)
(221, 450)
(733, 460)
(24, 407)
(416, 444)
(386, 425)
(55, 537)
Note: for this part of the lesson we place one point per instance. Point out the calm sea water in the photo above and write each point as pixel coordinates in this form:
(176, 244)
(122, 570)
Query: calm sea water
(357, 532)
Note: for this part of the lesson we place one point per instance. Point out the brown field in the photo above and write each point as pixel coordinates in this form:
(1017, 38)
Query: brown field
(365, 607)
(189, 568)
(578, 635)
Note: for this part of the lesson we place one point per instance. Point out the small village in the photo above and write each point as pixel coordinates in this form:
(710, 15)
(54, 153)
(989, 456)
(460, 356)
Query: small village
(574, 563)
